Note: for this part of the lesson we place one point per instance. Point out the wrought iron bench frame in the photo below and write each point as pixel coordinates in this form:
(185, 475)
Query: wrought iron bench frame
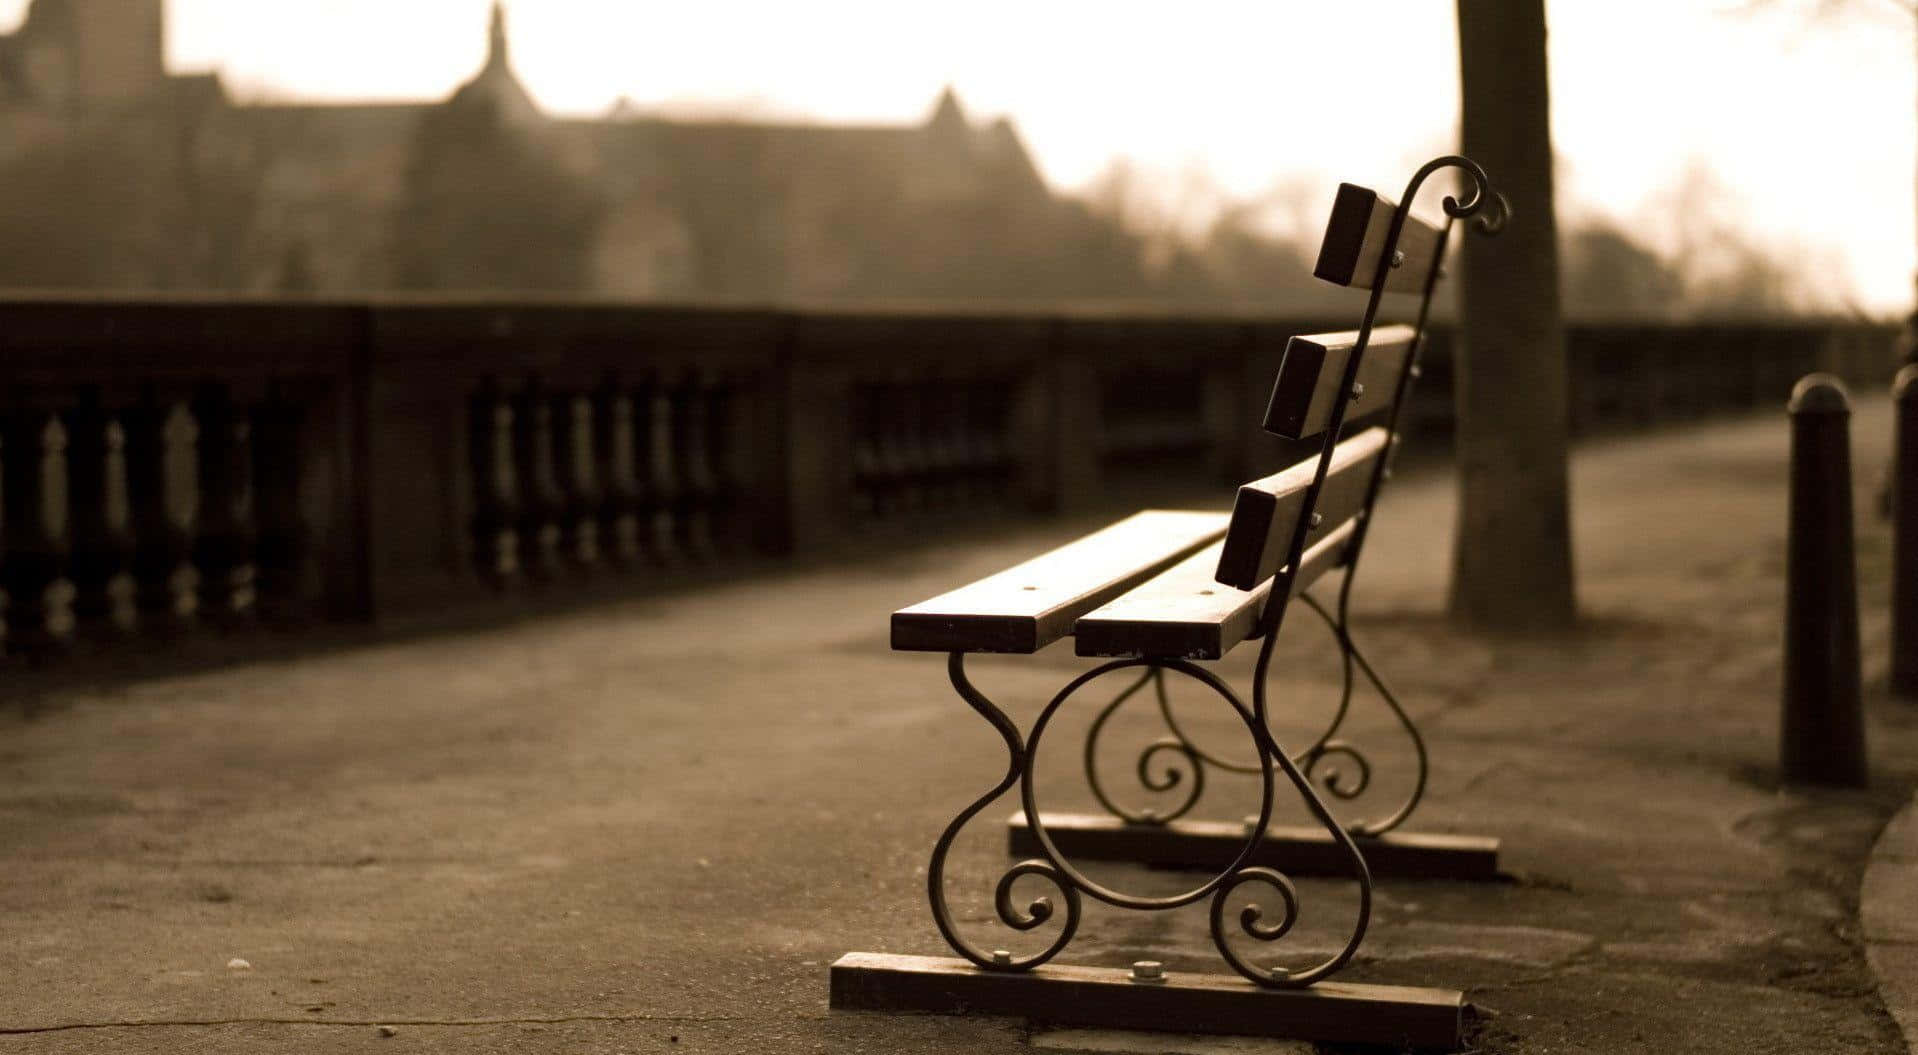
(996, 981)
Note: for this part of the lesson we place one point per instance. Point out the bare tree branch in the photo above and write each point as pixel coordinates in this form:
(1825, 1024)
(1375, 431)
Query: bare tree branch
(1820, 8)
(1907, 8)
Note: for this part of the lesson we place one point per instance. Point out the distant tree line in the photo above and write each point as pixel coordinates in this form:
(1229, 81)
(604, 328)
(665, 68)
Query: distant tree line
(1199, 248)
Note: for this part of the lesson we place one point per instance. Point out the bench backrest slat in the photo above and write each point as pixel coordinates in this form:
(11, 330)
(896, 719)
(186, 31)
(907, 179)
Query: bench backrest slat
(1355, 237)
(1031, 605)
(1311, 371)
(1184, 612)
(1267, 511)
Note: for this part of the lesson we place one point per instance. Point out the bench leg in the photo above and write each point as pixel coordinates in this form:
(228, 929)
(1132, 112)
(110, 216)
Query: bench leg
(1329, 746)
(1280, 1000)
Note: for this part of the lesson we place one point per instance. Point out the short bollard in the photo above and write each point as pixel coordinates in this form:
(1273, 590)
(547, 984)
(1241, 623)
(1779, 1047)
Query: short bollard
(1904, 536)
(1822, 735)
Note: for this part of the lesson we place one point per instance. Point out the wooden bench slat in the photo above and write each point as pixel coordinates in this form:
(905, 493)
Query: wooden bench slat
(1029, 606)
(1267, 511)
(1355, 236)
(1185, 612)
(1308, 383)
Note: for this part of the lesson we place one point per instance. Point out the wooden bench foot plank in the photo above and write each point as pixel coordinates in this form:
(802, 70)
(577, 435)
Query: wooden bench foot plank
(1203, 845)
(1398, 1017)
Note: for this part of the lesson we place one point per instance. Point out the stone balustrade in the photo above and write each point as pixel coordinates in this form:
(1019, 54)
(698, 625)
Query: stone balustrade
(171, 467)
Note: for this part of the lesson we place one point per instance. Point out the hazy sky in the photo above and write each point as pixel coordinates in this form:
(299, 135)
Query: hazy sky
(1807, 126)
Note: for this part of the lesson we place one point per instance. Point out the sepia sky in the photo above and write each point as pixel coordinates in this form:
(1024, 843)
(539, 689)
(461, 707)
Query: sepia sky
(1666, 112)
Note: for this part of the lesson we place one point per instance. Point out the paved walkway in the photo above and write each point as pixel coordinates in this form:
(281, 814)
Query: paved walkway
(649, 827)
(1888, 905)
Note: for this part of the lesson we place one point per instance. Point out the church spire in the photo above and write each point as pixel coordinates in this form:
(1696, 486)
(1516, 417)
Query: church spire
(495, 85)
(496, 53)
(947, 115)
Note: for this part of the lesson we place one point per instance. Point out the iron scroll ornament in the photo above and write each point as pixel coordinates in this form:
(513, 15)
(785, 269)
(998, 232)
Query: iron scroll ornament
(1340, 768)
(1070, 883)
(1179, 761)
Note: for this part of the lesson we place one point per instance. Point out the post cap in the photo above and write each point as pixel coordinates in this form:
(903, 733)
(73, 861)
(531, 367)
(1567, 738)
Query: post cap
(1819, 394)
(1904, 388)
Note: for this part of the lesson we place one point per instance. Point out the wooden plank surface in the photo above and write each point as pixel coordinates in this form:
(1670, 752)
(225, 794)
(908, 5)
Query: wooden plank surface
(1396, 1017)
(1267, 511)
(1186, 612)
(1308, 384)
(1205, 846)
(1031, 605)
(1355, 236)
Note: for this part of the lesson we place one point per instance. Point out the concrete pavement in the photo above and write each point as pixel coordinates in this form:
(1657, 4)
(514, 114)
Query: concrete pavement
(650, 826)
(1888, 908)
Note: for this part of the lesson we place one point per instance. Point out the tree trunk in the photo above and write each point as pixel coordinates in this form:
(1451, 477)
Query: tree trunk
(1512, 563)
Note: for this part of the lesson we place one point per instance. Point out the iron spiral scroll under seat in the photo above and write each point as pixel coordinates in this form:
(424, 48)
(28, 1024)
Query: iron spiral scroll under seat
(1146, 592)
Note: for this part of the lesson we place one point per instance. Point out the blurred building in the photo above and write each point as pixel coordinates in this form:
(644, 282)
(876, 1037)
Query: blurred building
(119, 175)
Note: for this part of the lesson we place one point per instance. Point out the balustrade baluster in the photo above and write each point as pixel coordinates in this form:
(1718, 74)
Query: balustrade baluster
(892, 459)
(992, 409)
(915, 461)
(6, 598)
(867, 478)
(40, 609)
(495, 485)
(694, 466)
(653, 427)
(916, 446)
(97, 511)
(1115, 423)
(578, 480)
(970, 447)
(613, 451)
(1643, 408)
(885, 461)
(973, 448)
(162, 501)
(968, 461)
(1006, 461)
(539, 497)
(1723, 381)
(1598, 392)
(284, 548)
(722, 461)
(223, 538)
(977, 445)
(945, 463)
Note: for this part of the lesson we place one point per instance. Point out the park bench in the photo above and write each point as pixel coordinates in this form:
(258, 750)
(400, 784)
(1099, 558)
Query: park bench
(1157, 594)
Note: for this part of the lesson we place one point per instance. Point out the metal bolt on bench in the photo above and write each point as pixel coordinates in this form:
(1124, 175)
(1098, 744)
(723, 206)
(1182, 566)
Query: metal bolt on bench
(1146, 590)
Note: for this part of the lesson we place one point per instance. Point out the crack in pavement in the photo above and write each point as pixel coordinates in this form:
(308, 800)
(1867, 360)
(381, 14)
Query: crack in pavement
(363, 1023)
(263, 862)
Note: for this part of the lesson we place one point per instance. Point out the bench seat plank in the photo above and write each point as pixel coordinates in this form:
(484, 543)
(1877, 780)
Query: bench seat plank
(1267, 511)
(1029, 606)
(1186, 613)
(1308, 384)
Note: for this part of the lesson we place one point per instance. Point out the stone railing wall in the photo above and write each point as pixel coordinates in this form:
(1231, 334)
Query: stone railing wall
(167, 466)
